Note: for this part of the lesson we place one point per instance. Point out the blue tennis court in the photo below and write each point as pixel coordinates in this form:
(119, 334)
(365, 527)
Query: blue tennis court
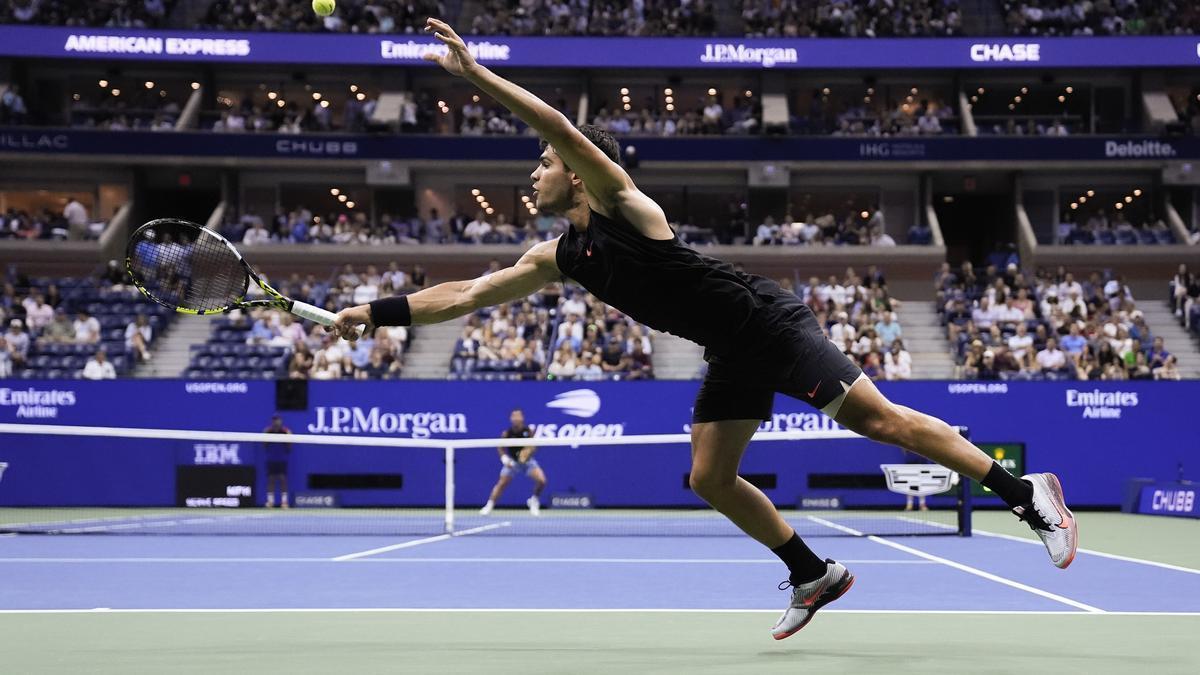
(995, 579)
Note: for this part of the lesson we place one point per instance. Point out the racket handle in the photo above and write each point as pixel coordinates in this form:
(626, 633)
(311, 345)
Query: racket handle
(314, 313)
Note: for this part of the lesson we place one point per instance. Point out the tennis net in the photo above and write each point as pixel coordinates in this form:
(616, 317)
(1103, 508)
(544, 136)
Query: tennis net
(110, 480)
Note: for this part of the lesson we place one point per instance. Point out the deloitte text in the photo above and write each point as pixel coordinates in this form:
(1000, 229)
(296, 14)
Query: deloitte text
(1138, 149)
(1099, 404)
(740, 53)
(36, 403)
(355, 420)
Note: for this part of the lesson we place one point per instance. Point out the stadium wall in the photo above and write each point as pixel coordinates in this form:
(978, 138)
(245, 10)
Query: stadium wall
(1096, 435)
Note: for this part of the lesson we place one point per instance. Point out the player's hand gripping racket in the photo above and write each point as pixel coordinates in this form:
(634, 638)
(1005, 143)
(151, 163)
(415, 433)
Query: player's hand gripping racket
(193, 270)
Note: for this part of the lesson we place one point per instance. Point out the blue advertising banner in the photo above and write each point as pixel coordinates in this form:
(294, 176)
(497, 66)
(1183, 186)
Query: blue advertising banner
(542, 52)
(1095, 435)
(695, 149)
(1170, 499)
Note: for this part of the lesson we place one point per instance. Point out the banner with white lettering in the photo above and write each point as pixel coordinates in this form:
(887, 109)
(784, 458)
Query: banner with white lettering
(573, 52)
(1096, 435)
(523, 148)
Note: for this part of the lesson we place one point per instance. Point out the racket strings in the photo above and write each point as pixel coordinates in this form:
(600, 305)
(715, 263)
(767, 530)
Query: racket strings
(181, 264)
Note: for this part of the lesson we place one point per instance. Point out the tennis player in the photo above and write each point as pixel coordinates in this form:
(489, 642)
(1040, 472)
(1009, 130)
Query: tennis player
(277, 462)
(515, 462)
(758, 338)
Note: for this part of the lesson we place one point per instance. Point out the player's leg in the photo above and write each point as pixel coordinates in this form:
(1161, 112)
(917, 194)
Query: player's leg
(538, 477)
(497, 490)
(1037, 499)
(270, 490)
(283, 490)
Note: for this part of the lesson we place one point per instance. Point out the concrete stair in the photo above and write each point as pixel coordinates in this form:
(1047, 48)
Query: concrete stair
(1163, 323)
(676, 358)
(428, 356)
(925, 339)
(170, 349)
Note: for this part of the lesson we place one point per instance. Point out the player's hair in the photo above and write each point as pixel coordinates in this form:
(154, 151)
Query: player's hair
(600, 138)
(517, 410)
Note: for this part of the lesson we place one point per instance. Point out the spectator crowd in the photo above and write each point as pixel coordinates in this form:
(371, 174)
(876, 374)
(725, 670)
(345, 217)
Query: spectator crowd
(1004, 325)
(645, 18)
(851, 18)
(1101, 17)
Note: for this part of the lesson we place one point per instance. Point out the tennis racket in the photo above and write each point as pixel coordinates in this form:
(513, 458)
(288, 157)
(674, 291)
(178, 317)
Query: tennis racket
(193, 270)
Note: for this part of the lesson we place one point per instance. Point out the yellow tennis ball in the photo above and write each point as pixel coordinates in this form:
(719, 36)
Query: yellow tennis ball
(324, 7)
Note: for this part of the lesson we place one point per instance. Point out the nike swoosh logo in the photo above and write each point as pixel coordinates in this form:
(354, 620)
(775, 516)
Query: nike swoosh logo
(814, 389)
(589, 250)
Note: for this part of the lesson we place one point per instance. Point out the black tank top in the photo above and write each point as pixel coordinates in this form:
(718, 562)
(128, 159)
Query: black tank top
(672, 288)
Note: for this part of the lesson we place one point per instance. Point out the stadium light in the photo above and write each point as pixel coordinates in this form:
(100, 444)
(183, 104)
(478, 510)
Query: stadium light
(670, 107)
(533, 211)
(342, 198)
(316, 96)
(1024, 90)
(1128, 199)
(116, 92)
(349, 205)
(485, 205)
(480, 199)
(280, 103)
(865, 215)
(1137, 193)
(749, 94)
(625, 91)
(324, 104)
(353, 88)
(670, 99)
(825, 91)
(1016, 99)
(334, 191)
(1062, 99)
(475, 192)
(1091, 193)
(1083, 200)
(913, 91)
(668, 92)
(195, 86)
(1074, 206)
(441, 104)
(361, 96)
(490, 211)
(1012, 106)
(103, 84)
(1119, 205)
(974, 99)
(1070, 90)
(712, 91)
(475, 98)
(272, 95)
(625, 99)
(75, 97)
(866, 99)
(908, 99)
(870, 91)
(980, 91)
(162, 93)
(525, 198)
(627, 107)
(149, 84)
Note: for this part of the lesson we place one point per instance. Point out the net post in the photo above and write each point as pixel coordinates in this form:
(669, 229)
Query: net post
(964, 494)
(449, 489)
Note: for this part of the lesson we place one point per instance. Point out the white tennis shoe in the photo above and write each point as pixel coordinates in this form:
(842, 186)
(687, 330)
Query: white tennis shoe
(487, 509)
(535, 507)
(808, 598)
(1049, 517)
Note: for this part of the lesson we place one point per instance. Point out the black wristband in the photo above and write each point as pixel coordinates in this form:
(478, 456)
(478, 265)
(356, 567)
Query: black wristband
(393, 311)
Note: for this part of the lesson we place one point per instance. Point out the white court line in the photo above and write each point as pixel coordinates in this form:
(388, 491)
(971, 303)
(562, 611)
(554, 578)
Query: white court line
(634, 561)
(419, 542)
(961, 567)
(1091, 551)
(571, 610)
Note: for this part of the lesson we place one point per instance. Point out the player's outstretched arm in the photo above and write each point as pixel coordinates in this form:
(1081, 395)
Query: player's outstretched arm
(604, 179)
(453, 299)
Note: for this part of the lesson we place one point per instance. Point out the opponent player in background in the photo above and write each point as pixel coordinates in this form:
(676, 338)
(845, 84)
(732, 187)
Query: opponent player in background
(758, 338)
(277, 462)
(517, 461)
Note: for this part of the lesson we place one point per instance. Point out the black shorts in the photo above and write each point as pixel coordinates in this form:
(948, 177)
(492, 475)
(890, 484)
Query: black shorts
(798, 360)
(276, 468)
